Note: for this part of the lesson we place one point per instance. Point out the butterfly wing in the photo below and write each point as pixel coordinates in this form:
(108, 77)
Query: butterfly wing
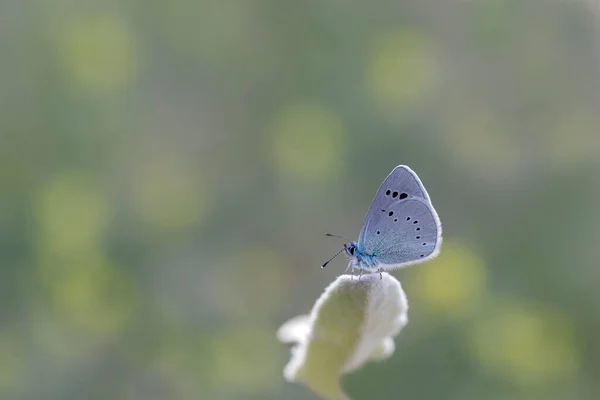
(404, 229)
(402, 183)
(408, 232)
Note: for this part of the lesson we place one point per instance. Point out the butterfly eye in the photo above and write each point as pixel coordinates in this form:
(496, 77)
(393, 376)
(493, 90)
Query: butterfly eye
(352, 250)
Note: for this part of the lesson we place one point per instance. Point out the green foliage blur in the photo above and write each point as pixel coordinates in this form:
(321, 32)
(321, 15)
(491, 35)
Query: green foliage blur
(168, 169)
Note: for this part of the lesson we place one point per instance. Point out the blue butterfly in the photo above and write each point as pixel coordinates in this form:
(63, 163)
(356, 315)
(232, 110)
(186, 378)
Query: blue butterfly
(401, 227)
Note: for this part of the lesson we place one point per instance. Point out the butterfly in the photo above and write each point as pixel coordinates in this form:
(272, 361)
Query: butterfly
(400, 229)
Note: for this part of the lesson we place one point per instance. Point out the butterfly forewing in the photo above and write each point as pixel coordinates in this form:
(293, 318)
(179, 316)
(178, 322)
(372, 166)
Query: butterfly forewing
(401, 227)
(401, 184)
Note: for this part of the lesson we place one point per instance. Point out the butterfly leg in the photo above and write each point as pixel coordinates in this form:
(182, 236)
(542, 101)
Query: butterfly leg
(360, 274)
(347, 268)
(380, 273)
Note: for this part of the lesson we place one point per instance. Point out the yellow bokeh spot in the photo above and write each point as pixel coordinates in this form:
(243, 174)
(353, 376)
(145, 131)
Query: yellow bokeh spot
(403, 70)
(10, 361)
(72, 213)
(246, 360)
(526, 344)
(98, 52)
(453, 284)
(307, 142)
(94, 297)
(167, 193)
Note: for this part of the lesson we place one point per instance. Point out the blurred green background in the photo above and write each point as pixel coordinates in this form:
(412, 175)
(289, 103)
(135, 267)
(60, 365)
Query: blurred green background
(168, 169)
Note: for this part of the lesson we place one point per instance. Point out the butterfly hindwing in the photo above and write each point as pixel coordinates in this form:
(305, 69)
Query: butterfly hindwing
(407, 232)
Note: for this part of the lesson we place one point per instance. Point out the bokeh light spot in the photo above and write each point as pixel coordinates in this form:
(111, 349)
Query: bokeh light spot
(98, 52)
(72, 213)
(453, 284)
(307, 142)
(403, 70)
(95, 297)
(10, 361)
(526, 344)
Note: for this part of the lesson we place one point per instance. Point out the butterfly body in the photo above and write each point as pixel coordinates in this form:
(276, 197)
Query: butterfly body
(361, 260)
(400, 229)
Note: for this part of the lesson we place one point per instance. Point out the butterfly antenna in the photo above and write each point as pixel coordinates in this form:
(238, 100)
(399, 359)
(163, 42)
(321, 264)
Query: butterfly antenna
(336, 254)
(337, 236)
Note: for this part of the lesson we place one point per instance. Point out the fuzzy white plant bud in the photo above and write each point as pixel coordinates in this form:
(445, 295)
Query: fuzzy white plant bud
(353, 322)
